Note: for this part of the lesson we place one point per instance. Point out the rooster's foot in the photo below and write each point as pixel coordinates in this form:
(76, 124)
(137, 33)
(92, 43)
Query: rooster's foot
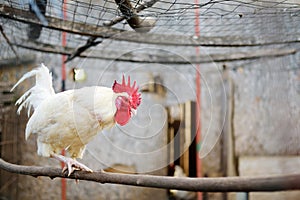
(71, 164)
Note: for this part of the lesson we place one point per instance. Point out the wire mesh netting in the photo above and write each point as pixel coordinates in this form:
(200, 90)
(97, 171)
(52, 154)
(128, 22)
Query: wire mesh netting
(38, 25)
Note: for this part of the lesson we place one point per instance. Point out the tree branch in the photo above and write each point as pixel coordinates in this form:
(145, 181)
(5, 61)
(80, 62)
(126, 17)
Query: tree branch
(134, 20)
(79, 50)
(138, 9)
(223, 184)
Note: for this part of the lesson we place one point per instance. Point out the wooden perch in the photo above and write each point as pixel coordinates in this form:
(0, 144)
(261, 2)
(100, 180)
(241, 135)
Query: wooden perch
(223, 184)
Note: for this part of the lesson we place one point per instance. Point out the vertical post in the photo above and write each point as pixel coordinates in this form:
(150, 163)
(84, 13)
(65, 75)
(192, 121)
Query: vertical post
(63, 88)
(228, 158)
(198, 100)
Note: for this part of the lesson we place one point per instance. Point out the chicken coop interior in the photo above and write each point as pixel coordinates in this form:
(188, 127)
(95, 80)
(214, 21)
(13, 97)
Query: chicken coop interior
(219, 83)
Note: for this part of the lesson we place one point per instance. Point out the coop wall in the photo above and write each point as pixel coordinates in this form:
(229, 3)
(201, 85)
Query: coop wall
(11, 131)
(11, 126)
(266, 120)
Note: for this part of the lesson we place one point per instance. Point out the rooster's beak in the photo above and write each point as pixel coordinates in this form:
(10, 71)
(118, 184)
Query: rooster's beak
(133, 111)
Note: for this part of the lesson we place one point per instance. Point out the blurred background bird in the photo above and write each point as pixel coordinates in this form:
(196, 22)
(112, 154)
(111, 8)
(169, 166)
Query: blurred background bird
(69, 120)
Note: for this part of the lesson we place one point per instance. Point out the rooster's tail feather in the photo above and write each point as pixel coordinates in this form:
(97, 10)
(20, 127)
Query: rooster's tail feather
(42, 89)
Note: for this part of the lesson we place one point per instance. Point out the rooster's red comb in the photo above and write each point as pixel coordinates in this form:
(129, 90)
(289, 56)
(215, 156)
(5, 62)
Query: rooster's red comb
(132, 91)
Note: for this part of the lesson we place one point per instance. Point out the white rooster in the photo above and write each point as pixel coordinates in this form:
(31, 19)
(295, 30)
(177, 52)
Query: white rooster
(69, 120)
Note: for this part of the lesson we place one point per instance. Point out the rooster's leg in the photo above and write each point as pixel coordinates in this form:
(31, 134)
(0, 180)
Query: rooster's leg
(71, 164)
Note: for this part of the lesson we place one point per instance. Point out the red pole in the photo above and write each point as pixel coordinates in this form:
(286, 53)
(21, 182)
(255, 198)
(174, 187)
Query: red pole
(63, 88)
(198, 101)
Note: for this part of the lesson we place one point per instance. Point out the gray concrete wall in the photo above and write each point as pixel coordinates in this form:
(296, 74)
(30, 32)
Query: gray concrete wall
(267, 112)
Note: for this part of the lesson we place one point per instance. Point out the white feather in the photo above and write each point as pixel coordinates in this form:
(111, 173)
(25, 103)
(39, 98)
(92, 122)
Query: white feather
(38, 93)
